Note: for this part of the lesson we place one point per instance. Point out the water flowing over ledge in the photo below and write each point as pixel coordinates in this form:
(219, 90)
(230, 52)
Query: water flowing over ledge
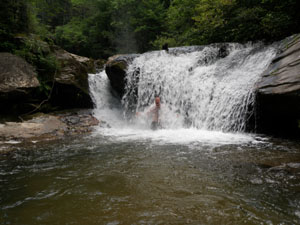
(200, 92)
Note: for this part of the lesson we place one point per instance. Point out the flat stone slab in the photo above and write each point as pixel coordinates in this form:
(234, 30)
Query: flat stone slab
(45, 127)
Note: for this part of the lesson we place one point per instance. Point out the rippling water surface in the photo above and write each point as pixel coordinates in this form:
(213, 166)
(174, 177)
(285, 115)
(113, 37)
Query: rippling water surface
(126, 178)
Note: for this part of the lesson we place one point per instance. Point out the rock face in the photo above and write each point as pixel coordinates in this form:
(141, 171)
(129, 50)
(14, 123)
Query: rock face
(71, 82)
(16, 74)
(278, 92)
(18, 80)
(21, 91)
(116, 71)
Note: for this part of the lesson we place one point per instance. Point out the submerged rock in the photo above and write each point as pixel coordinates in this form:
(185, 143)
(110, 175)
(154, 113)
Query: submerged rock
(278, 92)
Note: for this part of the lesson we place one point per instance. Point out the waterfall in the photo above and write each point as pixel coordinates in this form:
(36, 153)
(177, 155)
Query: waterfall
(107, 105)
(198, 90)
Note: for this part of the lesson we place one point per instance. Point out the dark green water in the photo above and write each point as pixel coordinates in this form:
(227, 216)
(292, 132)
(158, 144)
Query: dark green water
(96, 180)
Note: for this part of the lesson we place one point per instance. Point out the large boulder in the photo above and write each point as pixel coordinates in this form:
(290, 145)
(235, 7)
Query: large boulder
(278, 92)
(71, 81)
(18, 81)
(115, 69)
(22, 89)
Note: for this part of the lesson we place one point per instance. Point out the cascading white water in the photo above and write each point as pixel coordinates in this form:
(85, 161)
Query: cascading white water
(202, 95)
(107, 106)
(199, 89)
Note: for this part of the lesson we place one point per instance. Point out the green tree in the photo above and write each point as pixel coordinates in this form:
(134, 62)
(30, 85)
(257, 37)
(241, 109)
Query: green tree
(148, 21)
(14, 19)
(99, 31)
(53, 13)
(180, 23)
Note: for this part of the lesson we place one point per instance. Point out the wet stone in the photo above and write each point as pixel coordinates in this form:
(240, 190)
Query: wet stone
(45, 127)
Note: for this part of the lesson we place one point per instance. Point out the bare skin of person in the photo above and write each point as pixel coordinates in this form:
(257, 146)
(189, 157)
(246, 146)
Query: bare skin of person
(154, 113)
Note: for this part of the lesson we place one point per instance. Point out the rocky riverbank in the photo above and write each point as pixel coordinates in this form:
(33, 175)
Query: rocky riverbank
(47, 127)
(43, 73)
(43, 79)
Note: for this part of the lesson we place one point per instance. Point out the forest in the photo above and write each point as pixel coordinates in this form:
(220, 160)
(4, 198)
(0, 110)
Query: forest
(101, 28)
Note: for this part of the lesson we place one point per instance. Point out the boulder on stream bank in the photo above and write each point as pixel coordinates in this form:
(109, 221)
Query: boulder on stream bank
(47, 127)
(23, 87)
(278, 92)
(71, 88)
(18, 82)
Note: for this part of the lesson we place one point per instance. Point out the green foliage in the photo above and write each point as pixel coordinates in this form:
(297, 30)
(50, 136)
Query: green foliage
(52, 13)
(210, 19)
(148, 22)
(100, 28)
(71, 37)
(180, 23)
(38, 53)
(161, 40)
(14, 19)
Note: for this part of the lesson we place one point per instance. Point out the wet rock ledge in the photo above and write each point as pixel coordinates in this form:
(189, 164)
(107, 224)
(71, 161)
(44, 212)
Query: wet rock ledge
(46, 127)
(278, 92)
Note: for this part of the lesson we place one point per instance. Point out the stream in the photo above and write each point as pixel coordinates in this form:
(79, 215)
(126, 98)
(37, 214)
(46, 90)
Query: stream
(202, 167)
(99, 179)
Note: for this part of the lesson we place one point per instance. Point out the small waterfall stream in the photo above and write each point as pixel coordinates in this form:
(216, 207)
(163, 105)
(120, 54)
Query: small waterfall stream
(199, 90)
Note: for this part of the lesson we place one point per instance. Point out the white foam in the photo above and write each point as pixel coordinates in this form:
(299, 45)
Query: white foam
(211, 93)
(190, 136)
(12, 142)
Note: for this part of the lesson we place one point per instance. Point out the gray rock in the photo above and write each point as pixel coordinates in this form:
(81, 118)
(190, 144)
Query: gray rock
(42, 127)
(74, 69)
(116, 71)
(71, 88)
(16, 74)
(18, 84)
(278, 92)
(283, 75)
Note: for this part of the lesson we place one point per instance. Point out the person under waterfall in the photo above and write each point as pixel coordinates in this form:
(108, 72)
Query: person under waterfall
(154, 114)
